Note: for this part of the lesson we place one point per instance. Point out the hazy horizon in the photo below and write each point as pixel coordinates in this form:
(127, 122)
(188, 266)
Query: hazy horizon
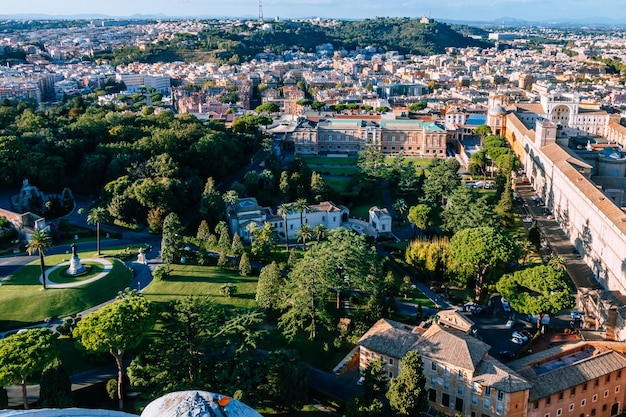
(469, 10)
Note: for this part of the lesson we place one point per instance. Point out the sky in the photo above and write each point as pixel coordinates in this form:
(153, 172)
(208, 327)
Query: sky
(485, 10)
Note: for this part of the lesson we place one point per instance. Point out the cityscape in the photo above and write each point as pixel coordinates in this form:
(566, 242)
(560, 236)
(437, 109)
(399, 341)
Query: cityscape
(302, 208)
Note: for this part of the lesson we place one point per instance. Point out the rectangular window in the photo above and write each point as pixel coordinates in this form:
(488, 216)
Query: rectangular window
(559, 412)
(595, 398)
(445, 400)
(433, 366)
(617, 388)
(474, 400)
(571, 407)
(486, 404)
(499, 408)
(606, 393)
(460, 375)
(446, 385)
(546, 415)
(500, 395)
(433, 381)
(432, 395)
(459, 389)
(584, 387)
(597, 382)
(390, 361)
(619, 374)
(608, 378)
(487, 391)
(572, 392)
(560, 395)
(536, 405)
(583, 402)
(593, 411)
(548, 398)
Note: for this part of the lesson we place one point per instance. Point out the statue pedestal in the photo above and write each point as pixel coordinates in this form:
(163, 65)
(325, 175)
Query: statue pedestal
(75, 266)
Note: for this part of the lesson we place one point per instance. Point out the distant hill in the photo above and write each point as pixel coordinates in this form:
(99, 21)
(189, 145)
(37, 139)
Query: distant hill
(403, 35)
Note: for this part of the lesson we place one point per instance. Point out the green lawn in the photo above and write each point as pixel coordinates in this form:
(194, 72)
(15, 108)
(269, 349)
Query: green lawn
(337, 170)
(24, 302)
(339, 185)
(189, 280)
(420, 162)
(321, 160)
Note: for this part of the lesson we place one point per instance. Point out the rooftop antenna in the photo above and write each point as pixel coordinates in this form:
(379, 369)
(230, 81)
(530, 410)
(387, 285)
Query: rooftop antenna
(260, 11)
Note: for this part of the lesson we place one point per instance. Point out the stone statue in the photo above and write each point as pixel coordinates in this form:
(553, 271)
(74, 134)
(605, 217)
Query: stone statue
(73, 250)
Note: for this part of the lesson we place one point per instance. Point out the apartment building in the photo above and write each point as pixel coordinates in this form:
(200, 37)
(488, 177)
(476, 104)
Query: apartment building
(460, 375)
(577, 379)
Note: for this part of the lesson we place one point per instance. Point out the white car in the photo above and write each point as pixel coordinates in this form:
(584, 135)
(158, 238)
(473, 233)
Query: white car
(519, 335)
(517, 340)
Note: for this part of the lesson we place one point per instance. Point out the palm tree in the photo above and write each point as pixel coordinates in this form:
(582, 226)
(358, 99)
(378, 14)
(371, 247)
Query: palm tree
(301, 206)
(305, 233)
(320, 232)
(230, 197)
(96, 216)
(285, 210)
(39, 241)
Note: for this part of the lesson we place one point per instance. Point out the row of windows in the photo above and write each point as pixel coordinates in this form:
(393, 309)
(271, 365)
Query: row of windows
(559, 412)
(572, 391)
(583, 402)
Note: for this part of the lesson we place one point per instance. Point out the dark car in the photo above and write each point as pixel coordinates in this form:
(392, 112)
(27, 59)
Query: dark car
(507, 354)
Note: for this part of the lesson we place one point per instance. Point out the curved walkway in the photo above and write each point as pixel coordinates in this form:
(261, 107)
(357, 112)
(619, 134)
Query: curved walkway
(51, 284)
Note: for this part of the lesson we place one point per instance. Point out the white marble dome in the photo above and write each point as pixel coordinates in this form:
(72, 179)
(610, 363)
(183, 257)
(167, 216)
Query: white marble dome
(197, 404)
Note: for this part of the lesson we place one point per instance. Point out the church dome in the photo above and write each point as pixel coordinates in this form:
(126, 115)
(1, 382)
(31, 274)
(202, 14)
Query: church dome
(197, 404)
(497, 110)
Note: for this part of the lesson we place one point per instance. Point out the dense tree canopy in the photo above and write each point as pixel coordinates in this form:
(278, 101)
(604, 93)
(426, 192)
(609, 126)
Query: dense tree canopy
(476, 250)
(199, 344)
(538, 290)
(141, 161)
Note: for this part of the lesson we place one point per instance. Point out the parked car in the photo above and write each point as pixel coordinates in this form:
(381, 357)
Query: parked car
(509, 324)
(519, 335)
(526, 333)
(576, 315)
(506, 306)
(507, 354)
(517, 340)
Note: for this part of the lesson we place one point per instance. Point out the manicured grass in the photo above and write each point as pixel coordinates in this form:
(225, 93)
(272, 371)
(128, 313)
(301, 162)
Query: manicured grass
(337, 171)
(339, 185)
(320, 160)
(187, 280)
(59, 276)
(420, 162)
(24, 302)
